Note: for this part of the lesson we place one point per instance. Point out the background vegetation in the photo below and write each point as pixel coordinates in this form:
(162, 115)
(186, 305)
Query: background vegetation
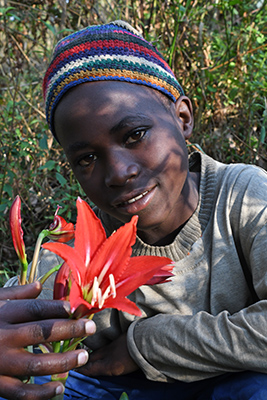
(217, 48)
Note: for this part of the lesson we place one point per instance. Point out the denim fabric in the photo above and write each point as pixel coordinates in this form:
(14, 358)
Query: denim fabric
(238, 386)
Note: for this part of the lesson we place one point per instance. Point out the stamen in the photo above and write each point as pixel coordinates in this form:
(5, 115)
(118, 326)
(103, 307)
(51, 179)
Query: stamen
(100, 298)
(58, 207)
(105, 296)
(112, 285)
(95, 291)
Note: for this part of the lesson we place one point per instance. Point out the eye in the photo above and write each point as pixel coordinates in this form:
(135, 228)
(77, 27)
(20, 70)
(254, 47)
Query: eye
(135, 136)
(87, 160)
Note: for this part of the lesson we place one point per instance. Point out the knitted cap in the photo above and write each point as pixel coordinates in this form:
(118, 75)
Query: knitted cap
(115, 51)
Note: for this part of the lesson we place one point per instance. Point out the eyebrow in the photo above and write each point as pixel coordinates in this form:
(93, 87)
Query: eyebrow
(72, 148)
(129, 120)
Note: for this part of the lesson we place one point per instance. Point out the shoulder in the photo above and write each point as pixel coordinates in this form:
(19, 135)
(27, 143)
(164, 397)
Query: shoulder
(240, 196)
(238, 177)
(245, 182)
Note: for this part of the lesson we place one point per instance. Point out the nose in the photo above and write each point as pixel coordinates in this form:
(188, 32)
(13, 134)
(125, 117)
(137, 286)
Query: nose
(121, 167)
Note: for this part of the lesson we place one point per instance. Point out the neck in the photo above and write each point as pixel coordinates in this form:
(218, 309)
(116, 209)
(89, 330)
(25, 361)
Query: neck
(187, 204)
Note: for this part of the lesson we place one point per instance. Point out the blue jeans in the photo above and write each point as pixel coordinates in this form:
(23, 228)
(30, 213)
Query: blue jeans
(235, 386)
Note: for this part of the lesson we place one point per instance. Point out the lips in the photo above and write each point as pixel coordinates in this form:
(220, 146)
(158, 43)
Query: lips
(132, 199)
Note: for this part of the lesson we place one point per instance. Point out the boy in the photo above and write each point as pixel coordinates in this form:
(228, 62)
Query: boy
(122, 118)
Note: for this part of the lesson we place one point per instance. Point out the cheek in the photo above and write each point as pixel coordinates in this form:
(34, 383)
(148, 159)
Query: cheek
(169, 160)
(93, 189)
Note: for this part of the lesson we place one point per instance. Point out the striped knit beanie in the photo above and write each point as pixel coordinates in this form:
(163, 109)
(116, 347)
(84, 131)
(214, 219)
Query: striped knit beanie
(115, 51)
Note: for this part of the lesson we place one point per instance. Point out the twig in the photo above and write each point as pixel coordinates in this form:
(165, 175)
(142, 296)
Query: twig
(31, 105)
(233, 58)
(20, 49)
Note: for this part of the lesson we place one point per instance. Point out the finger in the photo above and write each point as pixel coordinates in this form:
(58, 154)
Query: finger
(96, 368)
(15, 311)
(14, 389)
(29, 291)
(34, 333)
(98, 364)
(23, 363)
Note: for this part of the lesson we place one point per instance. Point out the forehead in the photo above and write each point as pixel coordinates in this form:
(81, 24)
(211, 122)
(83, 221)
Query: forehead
(109, 98)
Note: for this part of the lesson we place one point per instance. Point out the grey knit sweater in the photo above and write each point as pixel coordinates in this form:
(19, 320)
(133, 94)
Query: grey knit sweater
(212, 317)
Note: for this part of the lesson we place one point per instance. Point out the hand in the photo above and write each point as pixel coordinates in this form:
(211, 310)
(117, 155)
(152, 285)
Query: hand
(112, 360)
(30, 322)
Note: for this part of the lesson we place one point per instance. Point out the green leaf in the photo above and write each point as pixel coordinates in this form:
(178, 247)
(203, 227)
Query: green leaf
(211, 88)
(263, 134)
(61, 179)
(3, 207)
(6, 10)
(8, 189)
(50, 27)
(43, 143)
(50, 164)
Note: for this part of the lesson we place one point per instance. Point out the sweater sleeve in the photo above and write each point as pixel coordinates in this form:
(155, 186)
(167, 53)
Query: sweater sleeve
(191, 348)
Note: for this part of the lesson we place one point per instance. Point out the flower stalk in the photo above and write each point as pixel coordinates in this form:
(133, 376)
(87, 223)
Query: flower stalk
(37, 248)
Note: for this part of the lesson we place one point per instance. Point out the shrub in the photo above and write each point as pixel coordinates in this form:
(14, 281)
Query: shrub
(217, 49)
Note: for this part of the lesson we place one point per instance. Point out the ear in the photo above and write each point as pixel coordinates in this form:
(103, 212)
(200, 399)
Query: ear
(184, 112)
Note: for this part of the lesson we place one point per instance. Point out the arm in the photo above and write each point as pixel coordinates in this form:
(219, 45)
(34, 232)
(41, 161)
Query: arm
(30, 322)
(229, 331)
(197, 347)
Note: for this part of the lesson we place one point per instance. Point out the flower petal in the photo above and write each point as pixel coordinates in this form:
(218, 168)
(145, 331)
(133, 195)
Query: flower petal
(79, 306)
(61, 284)
(139, 271)
(161, 276)
(90, 233)
(16, 230)
(70, 256)
(113, 255)
(121, 304)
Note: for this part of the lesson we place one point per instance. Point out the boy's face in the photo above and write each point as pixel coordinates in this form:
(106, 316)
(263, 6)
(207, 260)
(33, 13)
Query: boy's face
(128, 152)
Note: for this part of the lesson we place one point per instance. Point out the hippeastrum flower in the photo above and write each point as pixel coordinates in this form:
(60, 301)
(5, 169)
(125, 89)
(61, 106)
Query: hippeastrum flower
(59, 230)
(17, 236)
(99, 272)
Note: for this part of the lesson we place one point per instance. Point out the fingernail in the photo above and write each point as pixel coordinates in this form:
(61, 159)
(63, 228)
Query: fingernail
(90, 327)
(59, 390)
(82, 358)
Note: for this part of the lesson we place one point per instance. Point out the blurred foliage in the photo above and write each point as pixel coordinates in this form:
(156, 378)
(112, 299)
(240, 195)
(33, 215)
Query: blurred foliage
(217, 48)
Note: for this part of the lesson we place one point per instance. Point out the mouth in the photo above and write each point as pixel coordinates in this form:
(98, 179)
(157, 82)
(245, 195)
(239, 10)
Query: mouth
(134, 199)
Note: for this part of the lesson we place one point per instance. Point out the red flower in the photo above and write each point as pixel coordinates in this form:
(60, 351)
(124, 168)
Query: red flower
(99, 272)
(17, 236)
(60, 230)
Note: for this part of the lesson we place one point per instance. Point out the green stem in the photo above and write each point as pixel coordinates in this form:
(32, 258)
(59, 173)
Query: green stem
(65, 345)
(23, 274)
(74, 344)
(56, 347)
(41, 236)
(49, 273)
